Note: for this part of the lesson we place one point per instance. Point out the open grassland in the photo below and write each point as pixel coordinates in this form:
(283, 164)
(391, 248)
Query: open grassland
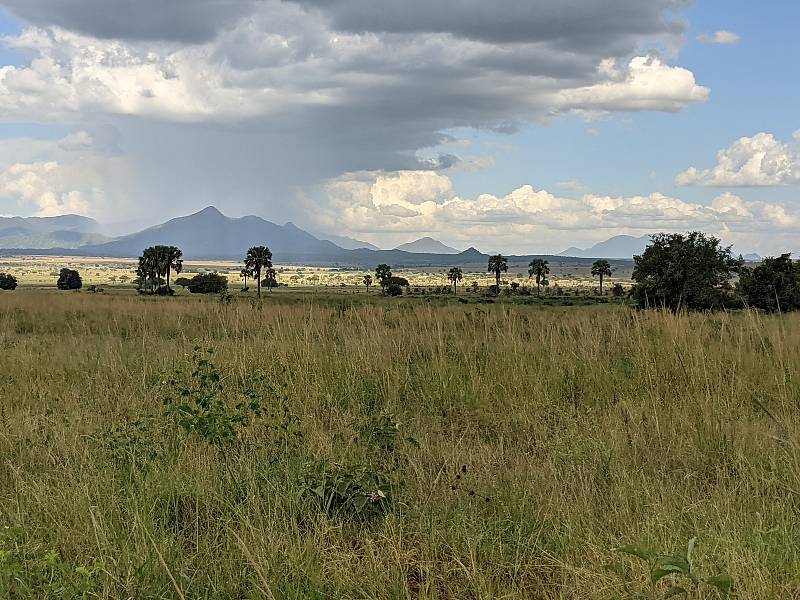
(42, 271)
(392, 449)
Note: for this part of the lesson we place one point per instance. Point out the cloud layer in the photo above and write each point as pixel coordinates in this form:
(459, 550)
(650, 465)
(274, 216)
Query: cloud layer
(405, 205)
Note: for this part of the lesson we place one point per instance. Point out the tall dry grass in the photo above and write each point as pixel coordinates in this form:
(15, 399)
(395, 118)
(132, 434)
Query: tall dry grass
(581, 429)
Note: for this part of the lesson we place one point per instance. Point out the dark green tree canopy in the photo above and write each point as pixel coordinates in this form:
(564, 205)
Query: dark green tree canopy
(156, 265)
(684, 271)
(601, 268)
(383, 273)
(774, 285)
(258, 260)
(69, 279)
(538, 268)
(497, 264)
(8, 281)
(208, 283)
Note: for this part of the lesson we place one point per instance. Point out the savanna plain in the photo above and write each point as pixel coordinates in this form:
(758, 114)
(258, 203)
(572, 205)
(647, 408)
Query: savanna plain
(323, 447)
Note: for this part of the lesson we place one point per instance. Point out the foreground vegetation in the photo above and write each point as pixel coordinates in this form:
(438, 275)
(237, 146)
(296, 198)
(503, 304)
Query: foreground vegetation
(184, 448)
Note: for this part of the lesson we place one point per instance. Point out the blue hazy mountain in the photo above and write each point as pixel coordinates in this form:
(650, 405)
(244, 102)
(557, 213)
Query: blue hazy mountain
(619, 246)
(427, 245)
(64, 231)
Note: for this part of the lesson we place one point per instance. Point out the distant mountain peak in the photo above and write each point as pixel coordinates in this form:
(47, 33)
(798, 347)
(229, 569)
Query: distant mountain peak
(209, 210)
(427, 245)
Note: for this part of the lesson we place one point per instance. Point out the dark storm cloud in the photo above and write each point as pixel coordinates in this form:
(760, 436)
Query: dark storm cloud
(577, 24)
(173, 20)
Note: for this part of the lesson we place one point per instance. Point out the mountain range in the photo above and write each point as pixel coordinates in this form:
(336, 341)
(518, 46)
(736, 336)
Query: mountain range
(621, 247)
(208, 234)
(64, 231)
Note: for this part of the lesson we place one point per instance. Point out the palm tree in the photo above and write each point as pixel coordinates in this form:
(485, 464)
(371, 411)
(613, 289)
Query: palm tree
(540, 268)
(170, 258)
(455, 275)
(148, 268)
(368, 281)
(601, 269)
(245, 274)
(383, 273)
(497, 264)
(258, 258)
(271, 278)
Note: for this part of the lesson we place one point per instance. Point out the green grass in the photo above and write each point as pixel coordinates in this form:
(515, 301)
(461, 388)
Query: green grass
(532, 442)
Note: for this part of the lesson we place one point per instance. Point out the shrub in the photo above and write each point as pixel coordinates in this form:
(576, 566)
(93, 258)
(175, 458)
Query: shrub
(617, 290)
(199, 404)
(208, 283)
(8, 281)
(69, 279)
(184, 282)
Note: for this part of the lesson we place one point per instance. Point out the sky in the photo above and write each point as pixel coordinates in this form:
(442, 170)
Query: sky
(514, 126)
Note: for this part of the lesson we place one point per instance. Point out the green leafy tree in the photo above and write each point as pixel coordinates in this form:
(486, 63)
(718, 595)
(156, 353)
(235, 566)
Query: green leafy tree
(69, 279)
(455, 275)
(773, 286)
(258, 259)
(383, 273)
(538, 268)
(8, 281)
(601, 268)
(368, 281)
(497, 264)
(684, 271)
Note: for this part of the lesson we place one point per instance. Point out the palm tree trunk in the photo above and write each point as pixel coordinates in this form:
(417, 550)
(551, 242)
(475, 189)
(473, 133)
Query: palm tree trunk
(601, 284)
(168, 270)
(258, 275)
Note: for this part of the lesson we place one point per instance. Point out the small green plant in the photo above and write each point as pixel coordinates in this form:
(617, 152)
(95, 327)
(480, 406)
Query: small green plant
(199, 403)
(28, 571)
(679, 571)
(358, 492)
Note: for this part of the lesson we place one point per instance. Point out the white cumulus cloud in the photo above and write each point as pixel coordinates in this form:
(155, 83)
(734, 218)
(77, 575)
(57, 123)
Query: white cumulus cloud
(760, 160)
(719, 37)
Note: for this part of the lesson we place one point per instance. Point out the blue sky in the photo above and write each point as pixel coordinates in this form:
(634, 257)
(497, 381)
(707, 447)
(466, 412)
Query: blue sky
(327, 116)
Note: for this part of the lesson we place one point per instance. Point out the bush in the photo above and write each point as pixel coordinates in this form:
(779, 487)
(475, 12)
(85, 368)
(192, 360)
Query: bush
(69, 279)
(393, 290)
(8, 281)
(208, 283)
(183, 282)
(617, 290)
(401, 281)
(774, 285)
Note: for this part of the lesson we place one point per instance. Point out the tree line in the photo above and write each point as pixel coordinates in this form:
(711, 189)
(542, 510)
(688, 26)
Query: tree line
(691, 271)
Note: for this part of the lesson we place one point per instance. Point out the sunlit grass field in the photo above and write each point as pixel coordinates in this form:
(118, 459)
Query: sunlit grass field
(313, 447)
